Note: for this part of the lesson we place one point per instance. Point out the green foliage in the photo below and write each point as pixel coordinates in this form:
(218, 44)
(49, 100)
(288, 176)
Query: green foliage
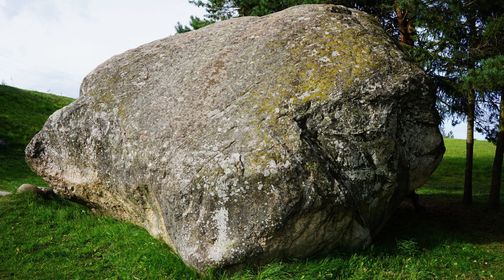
(218, 10)
(194, 24)
(488, 79)
(225, 9)
(489, 76)
(182, 28)
(261, 7)
(407, 247)
(455, 38)
(493, 35)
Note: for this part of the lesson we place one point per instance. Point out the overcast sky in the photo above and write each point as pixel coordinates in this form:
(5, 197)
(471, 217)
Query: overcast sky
(50, 45)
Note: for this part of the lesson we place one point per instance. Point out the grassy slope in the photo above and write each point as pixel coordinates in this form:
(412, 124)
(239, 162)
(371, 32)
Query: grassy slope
(60, 239)
(22, 114)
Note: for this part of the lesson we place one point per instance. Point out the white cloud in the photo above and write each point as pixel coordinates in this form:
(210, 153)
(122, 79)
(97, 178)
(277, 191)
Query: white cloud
(53, 44)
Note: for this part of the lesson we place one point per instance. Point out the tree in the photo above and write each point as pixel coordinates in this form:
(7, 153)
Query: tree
(489, 77)
(452, 45)
(195, 23)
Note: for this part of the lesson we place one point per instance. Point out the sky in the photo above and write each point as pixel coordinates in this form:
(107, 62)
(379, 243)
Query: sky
(51, 45)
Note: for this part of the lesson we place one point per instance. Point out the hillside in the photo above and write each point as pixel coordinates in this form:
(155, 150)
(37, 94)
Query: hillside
(59, 239)
(22, 114)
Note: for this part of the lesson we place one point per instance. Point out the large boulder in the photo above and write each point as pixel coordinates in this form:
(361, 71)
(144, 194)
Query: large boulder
(252, 139)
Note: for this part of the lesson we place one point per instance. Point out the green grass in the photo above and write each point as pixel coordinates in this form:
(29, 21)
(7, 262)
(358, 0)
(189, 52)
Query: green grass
(22, 114)
(58, 239)
(448, 179)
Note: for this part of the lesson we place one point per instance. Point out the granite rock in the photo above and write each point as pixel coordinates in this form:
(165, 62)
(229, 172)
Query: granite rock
(252, 139)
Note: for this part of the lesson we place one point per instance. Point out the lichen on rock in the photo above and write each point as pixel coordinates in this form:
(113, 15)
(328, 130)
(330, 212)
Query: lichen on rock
(252, 139)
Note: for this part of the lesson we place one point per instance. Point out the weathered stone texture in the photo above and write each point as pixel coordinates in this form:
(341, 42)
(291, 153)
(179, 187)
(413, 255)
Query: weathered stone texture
(251, 139)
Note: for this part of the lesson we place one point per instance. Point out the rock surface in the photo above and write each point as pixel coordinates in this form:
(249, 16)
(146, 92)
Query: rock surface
(252, 139)
(40, 191)
(26, 188)
(4, 193)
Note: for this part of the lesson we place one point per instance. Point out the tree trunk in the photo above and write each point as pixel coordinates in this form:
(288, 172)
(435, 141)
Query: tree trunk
(406, 26)
(406, 32)
(471, 100)
(494, 198)
(471, 107)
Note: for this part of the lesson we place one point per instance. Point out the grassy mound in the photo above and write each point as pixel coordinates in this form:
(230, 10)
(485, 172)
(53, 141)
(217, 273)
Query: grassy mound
(22, 114)
(55, 239)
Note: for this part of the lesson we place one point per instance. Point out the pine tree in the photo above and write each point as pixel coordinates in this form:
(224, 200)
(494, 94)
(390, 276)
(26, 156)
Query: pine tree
(452, 45)
(489, 78)
(195, 23)
(493, 71)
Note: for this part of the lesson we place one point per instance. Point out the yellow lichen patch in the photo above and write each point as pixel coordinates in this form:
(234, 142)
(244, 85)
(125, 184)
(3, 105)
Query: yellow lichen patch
(261, 159)
(327, 60)
(320, 64)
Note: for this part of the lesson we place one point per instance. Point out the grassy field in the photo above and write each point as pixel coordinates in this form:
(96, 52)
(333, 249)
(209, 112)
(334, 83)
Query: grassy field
(22, 114)
(448, 179)
(41, 239)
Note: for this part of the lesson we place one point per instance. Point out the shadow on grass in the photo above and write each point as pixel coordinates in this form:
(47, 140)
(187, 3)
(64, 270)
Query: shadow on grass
(445, 218)
(448, 239)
